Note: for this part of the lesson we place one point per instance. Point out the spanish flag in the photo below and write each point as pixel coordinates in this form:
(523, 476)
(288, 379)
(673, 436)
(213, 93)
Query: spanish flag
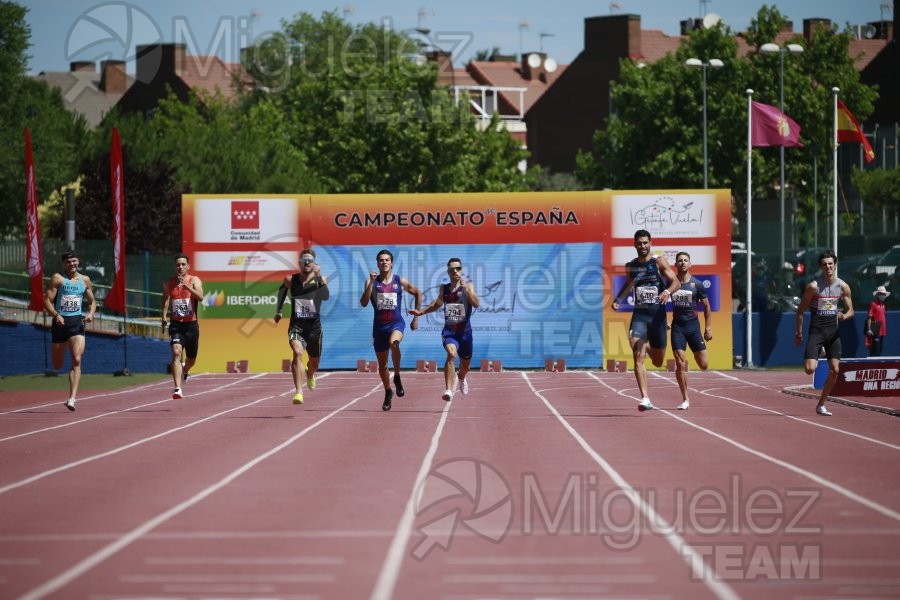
(850, 131)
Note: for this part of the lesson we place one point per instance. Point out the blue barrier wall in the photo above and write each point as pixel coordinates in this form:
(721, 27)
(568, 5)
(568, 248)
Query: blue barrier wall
(24, 347)
(773, 337)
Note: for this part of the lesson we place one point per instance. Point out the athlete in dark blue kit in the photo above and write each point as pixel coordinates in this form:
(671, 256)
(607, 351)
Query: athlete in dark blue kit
(686, 325)
(385, 290)
(654, 282)
(459, 300)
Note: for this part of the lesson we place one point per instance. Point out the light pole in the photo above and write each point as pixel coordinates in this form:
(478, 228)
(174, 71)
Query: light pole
(715, 63)
(794, 49)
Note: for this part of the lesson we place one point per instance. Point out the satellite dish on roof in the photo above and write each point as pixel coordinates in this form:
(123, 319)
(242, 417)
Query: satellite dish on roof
(534, 60)
(550, 65)
(711, 20)
(870, 32)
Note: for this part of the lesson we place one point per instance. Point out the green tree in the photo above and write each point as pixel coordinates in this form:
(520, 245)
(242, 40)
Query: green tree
(56, 134)
(370, 118)
(654, 137)
(879, 188)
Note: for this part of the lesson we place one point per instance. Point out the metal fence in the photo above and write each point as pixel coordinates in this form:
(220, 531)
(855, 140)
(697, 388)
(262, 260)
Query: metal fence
(144, 273)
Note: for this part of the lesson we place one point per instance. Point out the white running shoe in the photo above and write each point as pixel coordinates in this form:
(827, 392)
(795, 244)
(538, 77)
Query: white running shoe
(821, 410)
(464, 386)
(684, 405)
(177, 394)
(70, 404)
(448, 395)
(645, 404)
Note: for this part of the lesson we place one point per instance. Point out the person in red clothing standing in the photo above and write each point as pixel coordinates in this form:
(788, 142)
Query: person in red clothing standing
(876, 322)
(182, 292)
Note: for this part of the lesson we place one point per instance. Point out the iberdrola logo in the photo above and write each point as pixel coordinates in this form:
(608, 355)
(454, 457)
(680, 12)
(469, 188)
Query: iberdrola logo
(214, 299)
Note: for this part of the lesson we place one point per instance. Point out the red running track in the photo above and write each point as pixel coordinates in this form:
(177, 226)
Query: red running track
(535, 485)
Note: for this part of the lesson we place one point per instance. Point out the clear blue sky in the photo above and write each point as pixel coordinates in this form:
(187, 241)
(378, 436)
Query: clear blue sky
(66, 30)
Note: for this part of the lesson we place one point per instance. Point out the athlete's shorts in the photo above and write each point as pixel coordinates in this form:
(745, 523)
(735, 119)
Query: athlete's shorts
(462, 341)
(74, 325)
(381, 337)
(187, 334)
(686, 335)
(650, 327)
(309, 335)
(828, 338)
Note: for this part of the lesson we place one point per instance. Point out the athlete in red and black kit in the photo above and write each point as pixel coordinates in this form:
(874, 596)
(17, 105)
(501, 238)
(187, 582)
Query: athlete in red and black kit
(182, 292)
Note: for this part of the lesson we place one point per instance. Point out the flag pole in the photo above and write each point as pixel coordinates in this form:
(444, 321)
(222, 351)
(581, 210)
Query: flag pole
(834, 177)
(749, 302)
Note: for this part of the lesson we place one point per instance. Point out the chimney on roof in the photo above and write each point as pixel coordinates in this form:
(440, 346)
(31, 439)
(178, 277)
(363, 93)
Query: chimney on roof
(112, 77)
(884, 30)
(689, 25)
(155, 60)
(810, 26)
(616, 35)
(533, 66)
(444, 62)
(82, 66)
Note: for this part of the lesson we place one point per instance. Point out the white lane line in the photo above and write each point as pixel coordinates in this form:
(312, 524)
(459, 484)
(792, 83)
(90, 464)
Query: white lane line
(851, 495)
(60, 401)
(114, 451)
(679, 544)
(390, 569)
(816, 423)
(88, 563)
(123, 410)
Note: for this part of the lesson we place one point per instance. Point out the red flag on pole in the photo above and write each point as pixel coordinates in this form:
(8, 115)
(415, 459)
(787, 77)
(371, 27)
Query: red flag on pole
(771, 127)
(33, 248)
(115, 299)
(848, 130)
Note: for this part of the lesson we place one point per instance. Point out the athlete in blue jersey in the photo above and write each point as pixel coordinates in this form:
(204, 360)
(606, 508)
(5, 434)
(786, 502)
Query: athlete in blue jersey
(821, 297)
(385, 291)
(65, 299)
(459, 299)
(686, 325)
(653, 281)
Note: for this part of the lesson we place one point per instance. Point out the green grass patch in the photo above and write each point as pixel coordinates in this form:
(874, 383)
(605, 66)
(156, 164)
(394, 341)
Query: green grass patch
(40, 383)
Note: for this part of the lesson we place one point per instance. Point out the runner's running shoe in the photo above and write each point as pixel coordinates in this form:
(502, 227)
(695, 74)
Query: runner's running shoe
(645, 404)
(70, 404)
(820, 410)
(177, 394)
(298, 398)
(311, 382)
(398, 385)
(448, 395)
(388, 395)
(684, 405)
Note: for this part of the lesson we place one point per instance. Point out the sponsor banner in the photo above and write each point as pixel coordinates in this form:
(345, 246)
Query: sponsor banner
(537, 256)
(473, 218)
(664, 214)
(537, 301)
(710, 285)
(237, 261)
(862, 377)
(245, 220)
(239, 300)
(700, 255)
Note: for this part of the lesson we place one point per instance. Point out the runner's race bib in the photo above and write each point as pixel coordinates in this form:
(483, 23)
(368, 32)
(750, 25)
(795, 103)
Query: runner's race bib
(386, 301)
(454, 313)
(182, 307)
(683, 298)
(827, 306)
(70, 303)
(305, 308)
(646, 295)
